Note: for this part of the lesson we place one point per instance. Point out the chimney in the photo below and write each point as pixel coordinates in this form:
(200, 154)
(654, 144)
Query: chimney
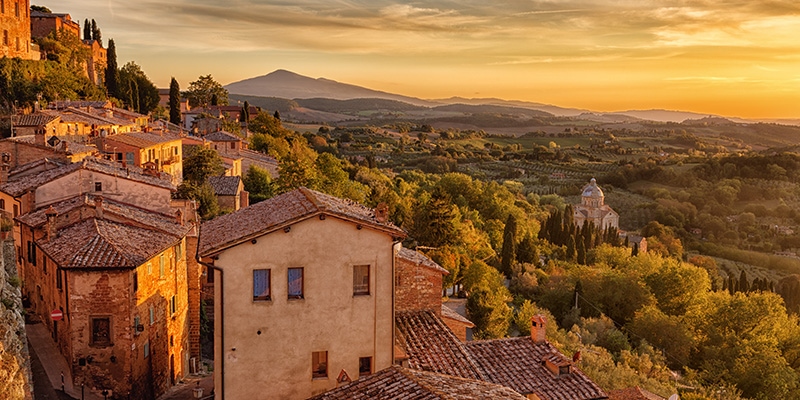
(5, 166)
(98, 206)
(179, 217)
(382, 213)
(51, 214)
(39, 136)
(538, 331)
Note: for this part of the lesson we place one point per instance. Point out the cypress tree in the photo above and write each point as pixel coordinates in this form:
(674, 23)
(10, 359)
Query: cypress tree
(744, 286)
(112, 73)
(214, 99)
(581, 253)
(87, 30)
(635, 250)
(277, 115)
(246, 112)
(571, 248)
(96, 33)
(509, 252)
(174, 102)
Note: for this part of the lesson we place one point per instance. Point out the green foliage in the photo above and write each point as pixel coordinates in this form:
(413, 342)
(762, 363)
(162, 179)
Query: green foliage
(40, 8)
(523, 315)
(136, 89)
(487, 304)
(258, 183)
(297, 168)
(64, 48)
(174, 102)
(201, 164)
(203, 193)
(203, 90)
(509, 252)
(14, 281)
(266, 124)
(96, 35)
(112, 72)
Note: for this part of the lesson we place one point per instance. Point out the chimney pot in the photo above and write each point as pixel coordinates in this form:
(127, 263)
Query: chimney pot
(98, 206)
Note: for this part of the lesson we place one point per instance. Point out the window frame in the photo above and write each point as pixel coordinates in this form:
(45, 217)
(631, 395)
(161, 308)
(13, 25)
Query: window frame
(93, 334)
(98, 186)
(268, 283)
(361, 371)
(318, 359)
(301, 294)
(358, 288)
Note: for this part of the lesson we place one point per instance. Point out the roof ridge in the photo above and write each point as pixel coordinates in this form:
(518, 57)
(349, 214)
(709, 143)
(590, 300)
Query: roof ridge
(308, 193)
(421, 383)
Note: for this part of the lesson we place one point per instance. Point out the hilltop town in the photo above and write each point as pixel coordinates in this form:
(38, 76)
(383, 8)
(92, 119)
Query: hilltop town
(169, 244)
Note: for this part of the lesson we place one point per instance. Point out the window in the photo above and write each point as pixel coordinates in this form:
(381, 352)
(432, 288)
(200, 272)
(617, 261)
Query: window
(146, 349)
(16, 9)
(364, 366)
(135, 281)
(136, 323)
(58, 279)
(129, 158)
(16, 40)
(295, 283)
(98, 186)
(3, 6)
(149, 268)
(261, 284)
(173, 306)
(209, 275)
(152, 315)
(161, 265)
(2, 204)
(360, 280)
(16, 210)
(179, 251)
(5, 38)
(319, 364)
(101, 331)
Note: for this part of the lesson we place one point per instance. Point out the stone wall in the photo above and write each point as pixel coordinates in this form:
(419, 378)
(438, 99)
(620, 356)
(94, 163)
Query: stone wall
(417, 287)
(15, 365)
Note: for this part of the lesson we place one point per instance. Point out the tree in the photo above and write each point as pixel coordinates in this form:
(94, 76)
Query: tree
(202, 91)
(136, 89)
(112, 73)
(64, 48)
(267, 124)
(437, 222)
(174, 102)
(201, 164)
(297, 168)
(509, 252)
(487, 304)
(40, 9)
(277, 115)
(203, 193)
(96, 35)
(258, 183)
(245, 112)
(87, 30)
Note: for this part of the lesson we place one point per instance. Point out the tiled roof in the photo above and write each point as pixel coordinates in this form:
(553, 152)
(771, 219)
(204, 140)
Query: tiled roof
(92, 116)
(225, 185)
(299, 204)
(28, 183)
(142, 139)
(401, 383)
(448, 312)
(35, 119)
(222, 136)
(46, 163)
(72, 147)
(432, 346)
(99, 243)
(517, 363)
(62, 104)
(420, 259)
(112, 210)
(634, 393)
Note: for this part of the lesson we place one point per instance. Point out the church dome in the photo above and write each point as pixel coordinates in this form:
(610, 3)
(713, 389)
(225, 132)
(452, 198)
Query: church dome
(592, 190)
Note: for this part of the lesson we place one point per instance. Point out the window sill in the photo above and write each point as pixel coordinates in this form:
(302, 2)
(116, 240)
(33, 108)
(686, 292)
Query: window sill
(296, 297)
(262, 299)
(319, 378)
(361, 294)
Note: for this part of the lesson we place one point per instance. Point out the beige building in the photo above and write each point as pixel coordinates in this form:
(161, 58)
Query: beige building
(304, 294)
(593, 208)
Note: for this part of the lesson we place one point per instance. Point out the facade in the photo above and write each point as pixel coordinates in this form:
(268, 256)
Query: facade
(229, 191)
(593, 208)
(15, 22)
(97, 62)
(303, 293)
(163, 152)
(118, 274)
(42, 24)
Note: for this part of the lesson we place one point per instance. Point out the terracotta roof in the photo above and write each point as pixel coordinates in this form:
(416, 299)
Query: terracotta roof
(634, 393)
(518, 364)
(72, 147)
(31, 182)
(222, 136)
(100, 243)
(35, 119)
(47, 163)
(407, 384)
(448, 312)
(62, 104)
(266, 216)
(225, 185)
(432, 346)
(141, 139)
(112, 210)
(420, 259)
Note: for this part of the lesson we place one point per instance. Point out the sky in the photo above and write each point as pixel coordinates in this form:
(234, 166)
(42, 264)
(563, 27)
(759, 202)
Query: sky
(734, 58)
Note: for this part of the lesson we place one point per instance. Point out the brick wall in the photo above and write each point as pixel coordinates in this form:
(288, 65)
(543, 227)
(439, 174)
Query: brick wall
(15, 38)
(417, 287)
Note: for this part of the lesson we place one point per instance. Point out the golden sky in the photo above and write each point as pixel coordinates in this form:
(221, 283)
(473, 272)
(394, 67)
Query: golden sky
(734, 58)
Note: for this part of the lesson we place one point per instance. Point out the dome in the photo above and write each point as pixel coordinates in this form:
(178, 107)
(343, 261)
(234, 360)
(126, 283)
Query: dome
(592, 190)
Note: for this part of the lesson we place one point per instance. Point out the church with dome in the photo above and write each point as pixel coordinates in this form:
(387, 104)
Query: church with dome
(593, 208)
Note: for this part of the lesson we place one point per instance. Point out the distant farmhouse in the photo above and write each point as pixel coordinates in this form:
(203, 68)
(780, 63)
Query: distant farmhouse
(593, 208)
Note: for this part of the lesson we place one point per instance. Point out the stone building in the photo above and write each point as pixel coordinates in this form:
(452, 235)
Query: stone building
(593, 208)
(229, 191)
(304, 293)
(118, 274)
(15, 21)
(233, 147)
(162, 152)
(42, 24)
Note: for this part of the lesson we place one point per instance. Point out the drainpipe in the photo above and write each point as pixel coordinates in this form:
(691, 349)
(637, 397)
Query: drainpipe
(395, 242)
(221, 314)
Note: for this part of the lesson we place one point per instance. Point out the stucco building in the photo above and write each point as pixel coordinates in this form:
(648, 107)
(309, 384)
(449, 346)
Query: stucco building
(159, 151)
(15, 22)
(304, 289)
(118, 274)
(593, 208)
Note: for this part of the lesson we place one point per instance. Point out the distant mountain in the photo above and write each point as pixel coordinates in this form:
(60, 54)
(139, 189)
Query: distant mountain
(548, 108)
(492, 109)
(289, 85)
